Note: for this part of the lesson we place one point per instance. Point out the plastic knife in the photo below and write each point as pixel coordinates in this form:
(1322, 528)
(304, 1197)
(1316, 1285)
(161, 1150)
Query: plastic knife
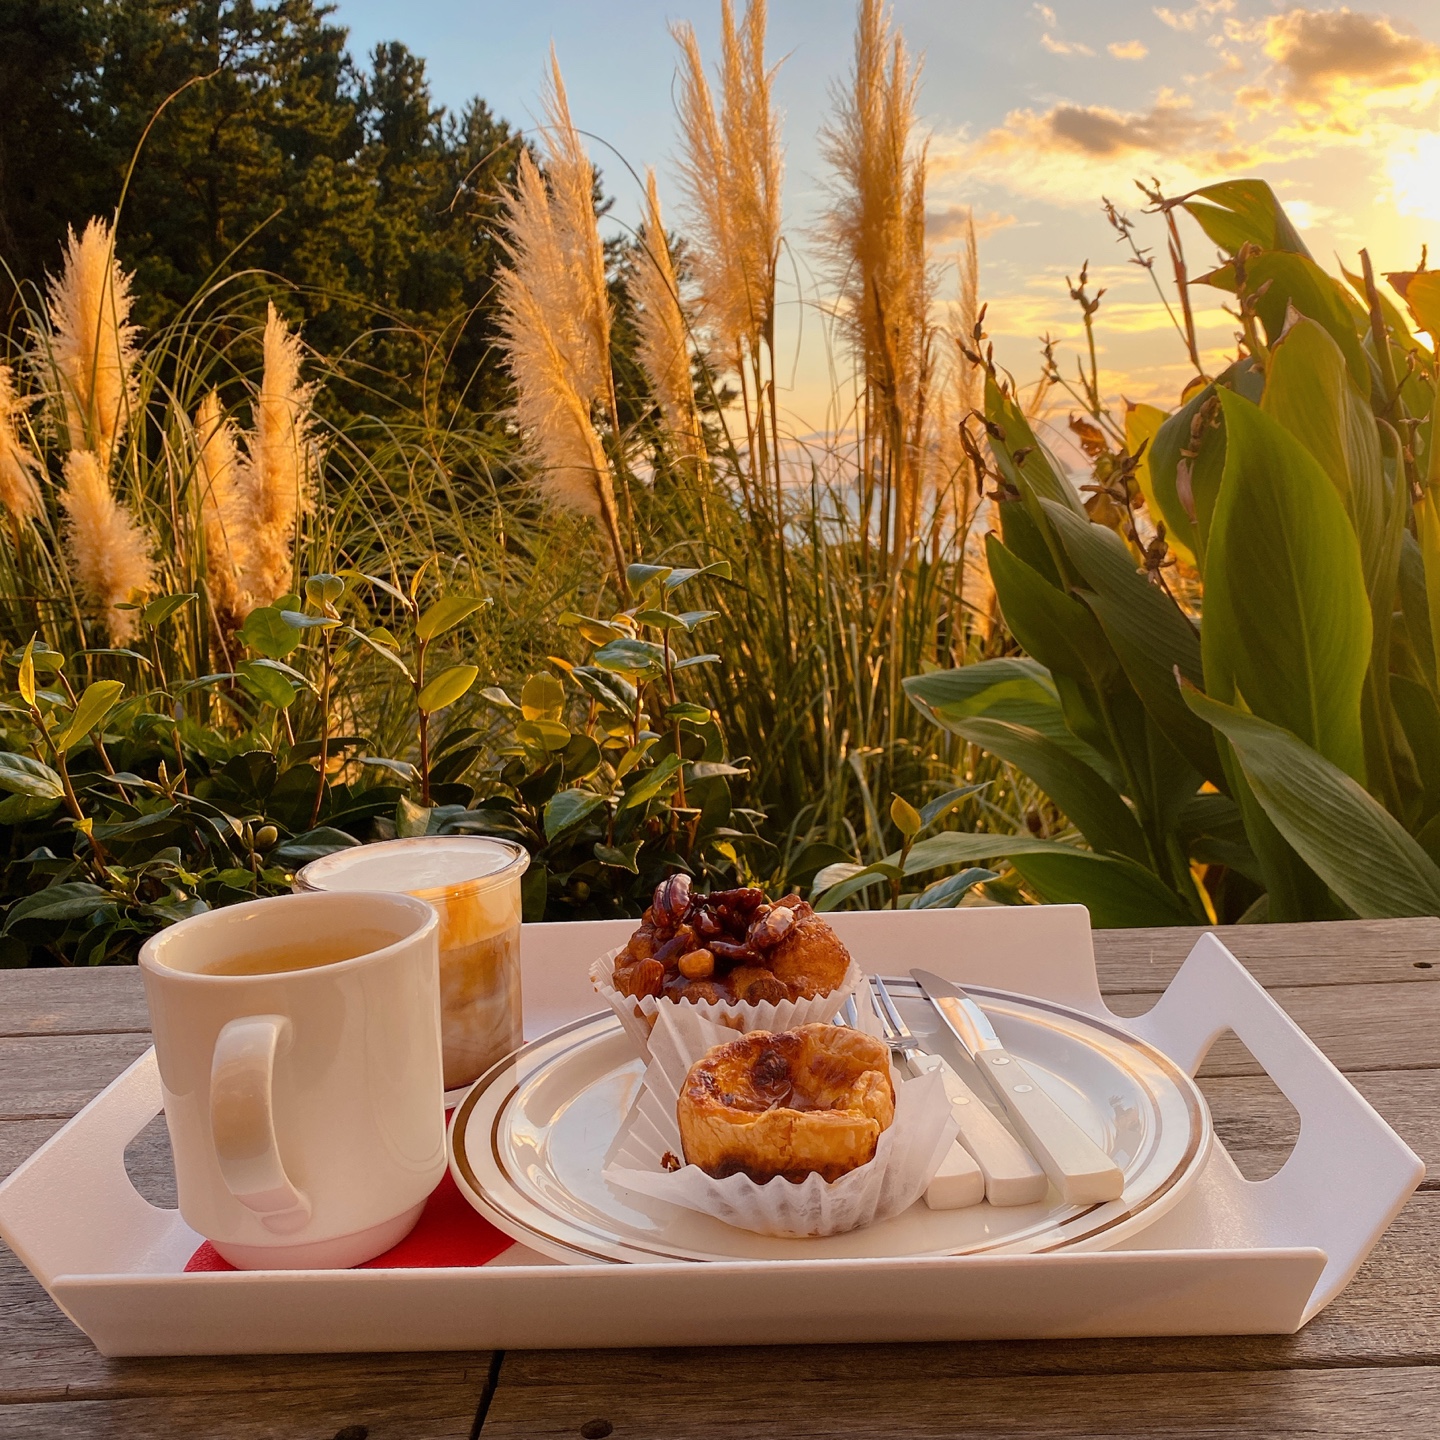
(1011, 1176)
(1081, 1171)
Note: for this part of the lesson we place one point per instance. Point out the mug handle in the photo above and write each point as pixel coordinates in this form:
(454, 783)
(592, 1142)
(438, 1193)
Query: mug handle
(242, 1120)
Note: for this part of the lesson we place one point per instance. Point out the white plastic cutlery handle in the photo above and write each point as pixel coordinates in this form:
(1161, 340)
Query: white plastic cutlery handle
(1011, 1175)
(1083, 1173)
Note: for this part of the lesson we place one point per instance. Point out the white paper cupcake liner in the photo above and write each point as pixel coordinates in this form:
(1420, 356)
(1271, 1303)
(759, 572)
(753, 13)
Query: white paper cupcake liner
(638, 1013)
(907, 1155)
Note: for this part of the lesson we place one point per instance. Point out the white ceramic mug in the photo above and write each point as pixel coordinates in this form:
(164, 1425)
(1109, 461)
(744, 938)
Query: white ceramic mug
(305, 1106)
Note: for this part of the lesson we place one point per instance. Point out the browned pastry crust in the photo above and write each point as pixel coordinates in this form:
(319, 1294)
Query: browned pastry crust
(730, 945)
(792, 1103)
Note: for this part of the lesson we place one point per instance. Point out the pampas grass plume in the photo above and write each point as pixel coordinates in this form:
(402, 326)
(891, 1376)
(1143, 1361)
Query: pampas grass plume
(225, 507)
(92, 343)
(19, 494)
(664, 350)
(278, 450)
(110, 552)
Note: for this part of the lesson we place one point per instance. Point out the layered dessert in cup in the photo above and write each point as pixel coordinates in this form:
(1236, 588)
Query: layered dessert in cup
(473, 881)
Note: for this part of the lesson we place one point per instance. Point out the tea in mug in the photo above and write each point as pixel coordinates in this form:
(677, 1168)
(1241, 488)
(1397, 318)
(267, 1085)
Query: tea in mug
(307, 954)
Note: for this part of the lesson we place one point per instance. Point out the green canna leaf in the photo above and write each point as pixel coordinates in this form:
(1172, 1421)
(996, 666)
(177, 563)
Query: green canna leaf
(1287, 620)
(1235, 212)
(1346, 836)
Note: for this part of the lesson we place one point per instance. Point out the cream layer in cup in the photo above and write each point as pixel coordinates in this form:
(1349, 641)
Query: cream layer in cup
(473, 881)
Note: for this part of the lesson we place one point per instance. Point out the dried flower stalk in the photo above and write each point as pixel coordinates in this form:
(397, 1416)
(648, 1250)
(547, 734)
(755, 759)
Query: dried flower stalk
(110, 552)
(92, 343)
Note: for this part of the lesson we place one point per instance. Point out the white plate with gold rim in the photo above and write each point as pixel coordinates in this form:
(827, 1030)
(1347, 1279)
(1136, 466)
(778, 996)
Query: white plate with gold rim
(528, 1142)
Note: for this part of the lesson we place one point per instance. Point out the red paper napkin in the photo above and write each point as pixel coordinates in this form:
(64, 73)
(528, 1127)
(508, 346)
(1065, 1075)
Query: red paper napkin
(448, 1232)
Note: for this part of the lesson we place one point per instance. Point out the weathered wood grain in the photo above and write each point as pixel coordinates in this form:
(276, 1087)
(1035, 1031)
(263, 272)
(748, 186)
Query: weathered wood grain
(1359, 1027)
(72, 1002)
(767, 1400)
(438, 1406)
(1337, 952)
(56, 1075)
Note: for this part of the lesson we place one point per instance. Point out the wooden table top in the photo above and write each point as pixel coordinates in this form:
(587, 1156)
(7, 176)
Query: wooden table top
(1368, 1365)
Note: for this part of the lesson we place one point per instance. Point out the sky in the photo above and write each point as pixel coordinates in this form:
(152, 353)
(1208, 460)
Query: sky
(1032, 112)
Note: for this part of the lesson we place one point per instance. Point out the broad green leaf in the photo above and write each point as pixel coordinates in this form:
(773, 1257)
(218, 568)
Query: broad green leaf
(25, 775)
(1014, 688)
(45, 660)
(1280, 281)
(1309, 391)
(651, 783)
(1236, 211)
(938, 808)
(720, 569)
(322, 591)
(267, 631)
(837, 883)
(620, 857)
(21, 809)
(70, 900)
(382, 647)
(597, 632)
(634, 755)
(403, 768)
(301, 621)
(447, 687)
(497, 697)
(1351, 841)
(642, 575)
(447, 613)
(568, 808)
(1117, 893)
(693, 619)
(542, 698)
(1150, 634)
(905, 817)
(1287, 620)
(97, 701)
(1091, 804)
(157, 612)
(630, 657)
(689, 712)
(1142, 425)
(25, 682)
(659, 620)
(1420, 290)
(311, 845)
(689, 660)
(946, 894)
(613, 691)
(547, 735)
(1033, 476)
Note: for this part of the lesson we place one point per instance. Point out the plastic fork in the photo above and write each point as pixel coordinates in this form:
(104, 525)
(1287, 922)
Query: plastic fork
(1010, 1173)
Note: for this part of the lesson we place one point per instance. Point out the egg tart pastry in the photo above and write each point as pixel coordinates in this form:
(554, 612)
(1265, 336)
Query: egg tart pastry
(792, 1103)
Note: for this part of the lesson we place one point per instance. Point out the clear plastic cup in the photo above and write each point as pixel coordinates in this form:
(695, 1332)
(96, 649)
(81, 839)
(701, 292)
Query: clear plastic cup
(473, 882)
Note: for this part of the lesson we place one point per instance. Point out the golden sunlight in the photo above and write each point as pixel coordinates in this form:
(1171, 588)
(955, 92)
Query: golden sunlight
(1414, 172)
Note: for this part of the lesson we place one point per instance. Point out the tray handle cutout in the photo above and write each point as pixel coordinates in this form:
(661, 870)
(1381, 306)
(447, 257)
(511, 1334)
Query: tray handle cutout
(1349, 1174)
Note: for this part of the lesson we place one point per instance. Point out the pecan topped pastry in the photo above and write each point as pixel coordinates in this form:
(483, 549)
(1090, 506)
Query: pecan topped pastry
(811, 1101)
(729, 945)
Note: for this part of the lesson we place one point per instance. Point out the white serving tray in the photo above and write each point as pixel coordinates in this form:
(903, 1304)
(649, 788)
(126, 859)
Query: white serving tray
(1234, 1257)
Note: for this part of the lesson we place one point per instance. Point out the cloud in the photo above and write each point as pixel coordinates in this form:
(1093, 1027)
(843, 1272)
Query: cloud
(947, 225)
(1128, 50)
(1170, 126)
(1052, 42)
(1202, 12)
(1325, 58)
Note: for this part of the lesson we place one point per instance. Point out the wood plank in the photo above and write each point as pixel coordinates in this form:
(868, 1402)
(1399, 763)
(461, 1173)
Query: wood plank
(1333, 952)
(72, 1002)
(1258, 1126)
(1359, 1027)
(725, 1396)
(20, 1139)
(56, 1075)
(357, 1404)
